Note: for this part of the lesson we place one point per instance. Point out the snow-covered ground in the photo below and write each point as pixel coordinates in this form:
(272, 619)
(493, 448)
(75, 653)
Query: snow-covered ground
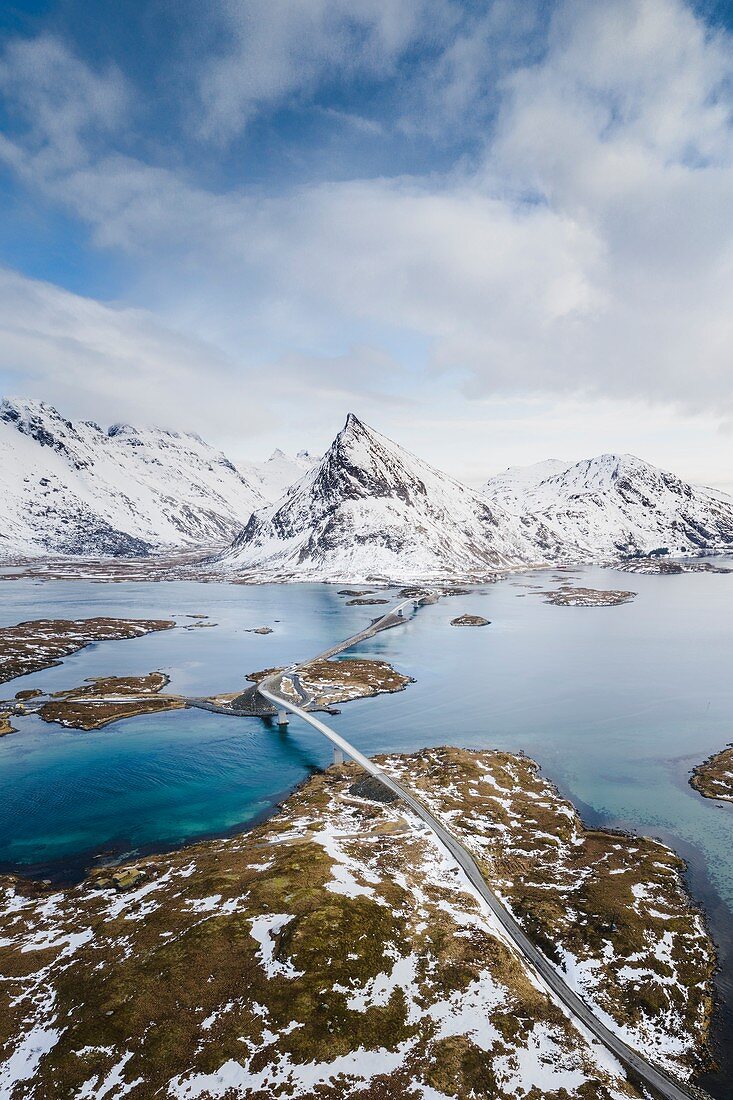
(273, 478)
(337, 946)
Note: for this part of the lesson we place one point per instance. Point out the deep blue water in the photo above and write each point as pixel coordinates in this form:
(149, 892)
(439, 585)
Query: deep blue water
(616, 704)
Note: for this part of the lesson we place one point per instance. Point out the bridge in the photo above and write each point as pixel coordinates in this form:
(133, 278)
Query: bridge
(640, 1071)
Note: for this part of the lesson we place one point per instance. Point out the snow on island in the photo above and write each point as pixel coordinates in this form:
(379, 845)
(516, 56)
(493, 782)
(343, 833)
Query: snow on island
(714, 777)
(567, 596)
(336, 949)
(41, 643)
(106, 699)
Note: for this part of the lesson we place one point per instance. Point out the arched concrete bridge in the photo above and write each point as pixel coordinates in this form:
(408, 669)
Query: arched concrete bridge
(639, 1069)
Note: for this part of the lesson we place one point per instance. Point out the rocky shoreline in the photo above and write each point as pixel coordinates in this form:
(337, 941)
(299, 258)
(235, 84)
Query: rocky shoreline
(714, 777)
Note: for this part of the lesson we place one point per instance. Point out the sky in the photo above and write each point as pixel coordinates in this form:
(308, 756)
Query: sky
(498, 231)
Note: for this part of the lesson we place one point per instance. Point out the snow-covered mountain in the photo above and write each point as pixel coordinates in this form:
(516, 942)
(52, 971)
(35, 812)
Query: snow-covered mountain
(510, 488)
(613, 506)
(371, 509)
(273, 478)
(76, 488)
(368, 508)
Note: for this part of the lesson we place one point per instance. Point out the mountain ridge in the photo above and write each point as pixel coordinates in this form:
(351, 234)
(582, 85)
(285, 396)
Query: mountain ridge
(372, 508)
(77, 488)
(619, 505)
(367, 508)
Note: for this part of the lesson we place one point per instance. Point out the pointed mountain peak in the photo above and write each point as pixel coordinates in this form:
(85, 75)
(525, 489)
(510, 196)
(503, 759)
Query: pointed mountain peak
(356, 433)
(354, 426)
(22, 408)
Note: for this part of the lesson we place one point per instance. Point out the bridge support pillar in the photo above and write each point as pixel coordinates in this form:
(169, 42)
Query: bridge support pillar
(282, 718)
(338, 756)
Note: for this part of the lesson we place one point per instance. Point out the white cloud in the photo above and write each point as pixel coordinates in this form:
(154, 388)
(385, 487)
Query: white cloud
(277, 50)
(62, 105)
(114, 363)
(588, 253)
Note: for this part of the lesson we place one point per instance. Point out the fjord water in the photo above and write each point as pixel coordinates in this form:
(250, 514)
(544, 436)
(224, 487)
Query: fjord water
(616, 703)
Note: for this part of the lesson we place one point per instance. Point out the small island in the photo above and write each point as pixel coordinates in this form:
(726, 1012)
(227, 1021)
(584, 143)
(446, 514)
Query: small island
(41, 643)
(668, 566)
(107, 699)
(714, 777)
(566, 596)
(329, 683)
(6, 726)
(470, 620)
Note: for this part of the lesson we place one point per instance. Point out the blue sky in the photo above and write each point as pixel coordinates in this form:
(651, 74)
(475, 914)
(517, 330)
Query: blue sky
(498, 231)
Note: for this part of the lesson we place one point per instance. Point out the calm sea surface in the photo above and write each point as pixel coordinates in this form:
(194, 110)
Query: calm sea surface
(617, 704)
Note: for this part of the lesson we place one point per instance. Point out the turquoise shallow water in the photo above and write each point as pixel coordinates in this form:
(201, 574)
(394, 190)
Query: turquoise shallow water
(616, 704)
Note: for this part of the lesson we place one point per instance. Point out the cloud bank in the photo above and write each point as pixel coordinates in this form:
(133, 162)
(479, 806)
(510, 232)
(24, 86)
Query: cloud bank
(569, 231)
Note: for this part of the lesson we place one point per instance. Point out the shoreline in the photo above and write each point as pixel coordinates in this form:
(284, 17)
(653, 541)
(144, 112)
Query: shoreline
(173, 566)
(337, 779)
(270, 811)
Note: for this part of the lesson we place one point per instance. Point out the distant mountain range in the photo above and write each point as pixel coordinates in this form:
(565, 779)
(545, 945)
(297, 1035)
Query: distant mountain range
(76, 488)
(614, 506)
(366, 509)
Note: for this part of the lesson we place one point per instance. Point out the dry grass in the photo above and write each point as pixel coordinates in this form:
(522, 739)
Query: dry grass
(172, 973)
(103, 701)
(41, 643)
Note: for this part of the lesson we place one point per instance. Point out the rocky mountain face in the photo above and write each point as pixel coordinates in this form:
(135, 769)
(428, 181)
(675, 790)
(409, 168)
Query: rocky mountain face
(366, 509)
(613, 506)
(76, 488)
(371, 509)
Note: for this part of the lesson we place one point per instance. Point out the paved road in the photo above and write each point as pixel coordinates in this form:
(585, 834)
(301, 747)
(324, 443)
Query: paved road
(640, 1070)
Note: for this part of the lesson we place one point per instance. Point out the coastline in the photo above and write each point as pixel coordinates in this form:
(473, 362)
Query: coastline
(354, 884)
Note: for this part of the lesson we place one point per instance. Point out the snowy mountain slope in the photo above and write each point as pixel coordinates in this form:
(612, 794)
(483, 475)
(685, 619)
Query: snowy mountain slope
(273, 478)
(612, 506)
(510, 487)
(74, 488)
(369, 508)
